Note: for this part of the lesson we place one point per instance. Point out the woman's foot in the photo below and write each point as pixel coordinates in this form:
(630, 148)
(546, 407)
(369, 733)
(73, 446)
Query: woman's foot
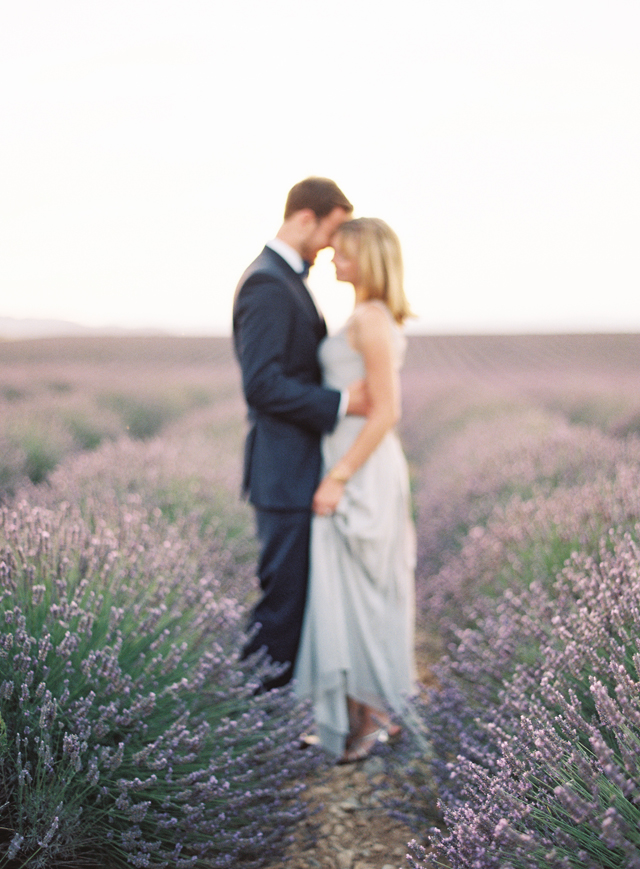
(391, 734)
(360, 747)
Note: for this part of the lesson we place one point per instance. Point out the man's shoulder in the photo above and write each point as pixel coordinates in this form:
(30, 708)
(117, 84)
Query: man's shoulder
(268, 264)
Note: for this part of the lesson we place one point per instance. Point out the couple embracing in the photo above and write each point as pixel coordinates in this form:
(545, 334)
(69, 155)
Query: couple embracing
(325, 472)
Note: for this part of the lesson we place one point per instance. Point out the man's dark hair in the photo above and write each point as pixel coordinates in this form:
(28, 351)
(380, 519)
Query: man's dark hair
(321, 195)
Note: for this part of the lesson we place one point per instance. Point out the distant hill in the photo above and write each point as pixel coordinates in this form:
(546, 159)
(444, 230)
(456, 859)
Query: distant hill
(13, 329)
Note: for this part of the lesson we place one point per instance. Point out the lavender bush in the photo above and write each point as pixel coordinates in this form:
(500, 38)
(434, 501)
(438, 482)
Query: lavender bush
(140, 587)
(515, 717)
(529, 539)
(550, 776)
(59, 397)
(130, 732)
(492, 460)
(524, 498)
(189, 479)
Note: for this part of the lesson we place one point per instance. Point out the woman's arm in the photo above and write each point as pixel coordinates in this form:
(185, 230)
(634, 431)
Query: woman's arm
(372, 338)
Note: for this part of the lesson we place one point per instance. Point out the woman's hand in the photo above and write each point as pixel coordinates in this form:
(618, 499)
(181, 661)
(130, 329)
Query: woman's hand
(327, 496)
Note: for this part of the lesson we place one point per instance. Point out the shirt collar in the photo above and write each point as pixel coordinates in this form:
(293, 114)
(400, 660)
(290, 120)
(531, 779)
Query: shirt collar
(287, 253)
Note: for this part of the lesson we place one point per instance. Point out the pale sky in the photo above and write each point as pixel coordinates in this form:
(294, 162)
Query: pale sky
(147, 148)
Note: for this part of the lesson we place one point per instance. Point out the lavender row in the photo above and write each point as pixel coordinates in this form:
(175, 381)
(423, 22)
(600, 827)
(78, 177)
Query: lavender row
(537, 762)
(61, 397)
(529, 574)
(132, 734)
(511, 501)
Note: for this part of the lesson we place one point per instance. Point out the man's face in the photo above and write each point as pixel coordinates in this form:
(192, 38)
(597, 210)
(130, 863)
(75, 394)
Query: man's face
(321, 232)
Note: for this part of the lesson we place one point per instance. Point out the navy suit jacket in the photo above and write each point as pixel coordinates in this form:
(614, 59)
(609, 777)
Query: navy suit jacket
(277, 330)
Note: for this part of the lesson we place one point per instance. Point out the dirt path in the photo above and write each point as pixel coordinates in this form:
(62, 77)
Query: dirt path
(349, 826)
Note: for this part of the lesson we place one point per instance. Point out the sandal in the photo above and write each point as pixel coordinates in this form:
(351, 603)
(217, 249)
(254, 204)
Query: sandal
(361, 747)
(392, 733)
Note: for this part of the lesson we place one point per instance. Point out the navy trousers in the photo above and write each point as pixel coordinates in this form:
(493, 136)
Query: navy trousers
(283, 571)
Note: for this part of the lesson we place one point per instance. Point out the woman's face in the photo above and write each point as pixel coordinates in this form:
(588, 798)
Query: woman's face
(345, 262)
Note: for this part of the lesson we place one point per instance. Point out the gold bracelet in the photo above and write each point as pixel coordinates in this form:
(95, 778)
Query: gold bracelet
(339, 478)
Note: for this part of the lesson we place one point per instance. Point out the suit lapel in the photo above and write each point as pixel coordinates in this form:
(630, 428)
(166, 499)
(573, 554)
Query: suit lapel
(300, 290)
(310, 305)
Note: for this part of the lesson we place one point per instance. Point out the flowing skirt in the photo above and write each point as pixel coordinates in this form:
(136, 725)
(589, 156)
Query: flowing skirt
(358, 630)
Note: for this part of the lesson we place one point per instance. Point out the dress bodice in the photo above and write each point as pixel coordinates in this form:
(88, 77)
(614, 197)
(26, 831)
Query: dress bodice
(342, 364)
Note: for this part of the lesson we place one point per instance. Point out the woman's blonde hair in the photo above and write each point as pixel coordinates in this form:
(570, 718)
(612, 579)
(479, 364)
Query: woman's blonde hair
(377, 250)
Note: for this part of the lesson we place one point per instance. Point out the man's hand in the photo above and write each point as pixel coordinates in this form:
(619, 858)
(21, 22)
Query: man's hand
(359, 404)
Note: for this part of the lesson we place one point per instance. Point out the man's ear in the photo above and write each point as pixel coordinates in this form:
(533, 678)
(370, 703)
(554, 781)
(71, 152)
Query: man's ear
(306, 217)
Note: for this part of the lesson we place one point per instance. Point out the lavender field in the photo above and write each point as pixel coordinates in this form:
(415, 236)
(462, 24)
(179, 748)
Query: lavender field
(131, 734)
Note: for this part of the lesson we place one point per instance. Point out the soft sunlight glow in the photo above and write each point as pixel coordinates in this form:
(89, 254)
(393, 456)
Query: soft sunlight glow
(148, 149)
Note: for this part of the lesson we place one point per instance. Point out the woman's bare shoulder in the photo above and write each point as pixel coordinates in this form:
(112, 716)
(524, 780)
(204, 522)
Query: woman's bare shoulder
(373, 311)
(370, 323)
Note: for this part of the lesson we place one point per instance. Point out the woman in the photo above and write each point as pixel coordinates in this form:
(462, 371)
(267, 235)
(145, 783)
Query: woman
(356, 654)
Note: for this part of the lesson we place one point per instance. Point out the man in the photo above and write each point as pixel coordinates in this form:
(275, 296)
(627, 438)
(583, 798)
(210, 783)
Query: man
(277, 330)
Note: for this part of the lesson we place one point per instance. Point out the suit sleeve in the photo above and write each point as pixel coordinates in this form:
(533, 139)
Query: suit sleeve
(264, 321)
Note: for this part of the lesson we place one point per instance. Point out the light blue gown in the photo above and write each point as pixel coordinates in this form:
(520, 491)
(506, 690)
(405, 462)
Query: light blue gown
(358, 631)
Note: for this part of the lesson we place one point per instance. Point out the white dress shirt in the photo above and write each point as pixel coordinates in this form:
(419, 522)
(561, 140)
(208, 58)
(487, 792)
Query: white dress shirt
(288, 254)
